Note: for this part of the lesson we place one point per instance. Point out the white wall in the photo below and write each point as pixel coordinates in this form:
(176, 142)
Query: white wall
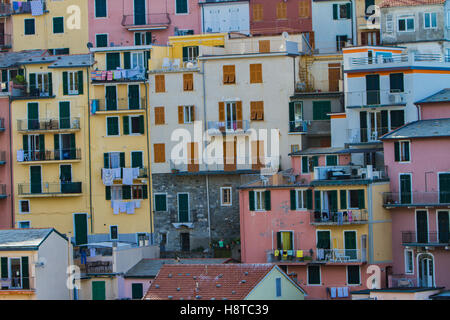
(226, 17)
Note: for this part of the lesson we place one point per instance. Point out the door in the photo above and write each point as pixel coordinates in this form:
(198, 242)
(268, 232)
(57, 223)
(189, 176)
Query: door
(139, 12)
(443, 225)
(426, 274)
(334, 75)
(422, 226)
(444, 188)
(80, 228)
(375, 129)
(98, 290)
(65, 178)
(229, 155)
(183, 207)
(350, 244)
(323, 240)
(66, 146)
(133, 97)
(64, 115)
(111, 98)
(33, 116)
(185, 241)
(405, 188)
(16, 277)
(137, 291)
(373, 89)
(230, 116)
(35, 179)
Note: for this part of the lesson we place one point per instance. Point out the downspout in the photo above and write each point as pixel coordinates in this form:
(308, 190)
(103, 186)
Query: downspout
(11, 162)
(149, 164)
(89, 148)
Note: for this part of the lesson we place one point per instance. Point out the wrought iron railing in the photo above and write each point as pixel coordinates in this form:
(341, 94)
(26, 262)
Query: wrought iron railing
(48, 124)
(431, 237)
(46, 188)
(354, 216)
(117, 104)
(146, 19)
(416, 198)
(48, 155)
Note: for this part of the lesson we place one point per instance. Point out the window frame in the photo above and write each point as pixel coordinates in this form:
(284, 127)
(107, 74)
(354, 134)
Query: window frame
(53, 25)
(74, 75)
(101, 34)
(118, 126)
(347, 274)
(25, 27)
(401, 151)
(262, 196)
(187, 8)
(106, 11)
(188, 114)
(130, 125)
(307, 276)
(20, 207)
(406, 18)
(25, 221)
(405, 254)
(430, 14)
(297, 200)
(154, 200)
(222, 203)
(110, 232)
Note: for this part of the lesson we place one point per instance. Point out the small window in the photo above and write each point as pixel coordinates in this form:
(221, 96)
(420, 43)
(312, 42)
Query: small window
(159, 116)
(112, 126)
(181, 6)
(159, 150)
(29, 27)
(409, 262)
(135, 124)
(190, 53)
(256, 73)
(24, 206)
(340, 42)
(353, 275)
(301, 196)
(160, 202)
(314, 275)
(188, 114)
(308, 163)
(258, 12)
(100, 9)
(356, 199)
(229, 75)
(331, 160)
(295, 148)
(142, 38)
(58, 25)
(72, 82)
(24, 224)
(281, 10)
(188, 82)
(342, 11)
(402, 151)
(430, 20)
(160, 84)
(260, 200)
(285, 240)
(225, 196)
(278, 287)
(405, 24)
(113, 233)
(101, 40)
(396, 82)
(257, 110)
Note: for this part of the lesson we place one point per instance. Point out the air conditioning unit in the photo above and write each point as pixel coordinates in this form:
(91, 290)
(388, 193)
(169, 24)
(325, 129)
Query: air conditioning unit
(395, 98)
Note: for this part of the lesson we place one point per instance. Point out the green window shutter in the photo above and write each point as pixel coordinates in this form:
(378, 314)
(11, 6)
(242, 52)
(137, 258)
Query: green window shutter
(137, 39)
(144, 192)
(29, 26)
(160, 202)
(309, 202)
(353, 275)
(293, 200)
(126, 125)
(315, 161)
(100, 8)
(343, 195)
(305, 164)
(42, 142)
(56, 143)
(321, 109)
(25, 273)
(396, 82)
(181, 6)
(112, 126)
(136, 160)
(251, 199)
(112, 61)
(137, 291)
(185, 54)
(106, 160)
(122, 159)
(331, 160)
(25, 142)
(333, 201)
(335, 11)
(361, 199)
(141, 125)
(279, 244)
(126, 192)
(73, 152)
(80, 82)
(58, 25)
(349, 10)
(148, 38)
(291, 116)
(108, 193)
(313, 274)
(444, 189)
(317, 202)
(50, 84)
(126, 60)
(32, 81)
(405, 188)
(65, 83)
(406, 144)
(102, 40)
(384, 122)
(267, 203)
(397, 151)
(397, 118)
(4, 266)
(81, 228)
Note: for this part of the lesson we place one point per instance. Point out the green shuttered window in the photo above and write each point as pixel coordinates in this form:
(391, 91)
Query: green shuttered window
(58, 25)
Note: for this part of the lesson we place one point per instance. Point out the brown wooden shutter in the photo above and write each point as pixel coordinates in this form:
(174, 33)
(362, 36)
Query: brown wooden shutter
(160, 85)
(256, 73)
(193, 161)
(225, 74)
(159, 115)
(221, 111)
(159, 150)
(239, 114)
(180, 114)
(260, 114)
(281, 10)
(264, 46)
(334, 74)
(193, 113)
(188, 82)
(253, 110)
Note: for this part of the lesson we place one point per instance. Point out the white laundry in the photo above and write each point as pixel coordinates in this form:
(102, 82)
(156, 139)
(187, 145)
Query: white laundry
(127, 176)
(92, 252)
(130, 207)
(340, 292)
(116, 206)
(107, 176)
(345, 291)
(20, 155)
(333, 292)
(123, 206)
(37, 8)
(137, 203)
(136, 173)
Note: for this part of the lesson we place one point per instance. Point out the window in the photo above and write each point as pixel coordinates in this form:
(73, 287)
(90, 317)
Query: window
(112, 61)
(29, 27)
(58, 25)
(256, 73)
(301, 199)
(258, 12)
(142, 38)
(186, 114)
(331, 160)
(160, 84)
(314, 275)
(159, 150)
(402, 151)
(278, 286)
(281, 10)
(137, 291)
(308, 163)
(137, 60)
(113, 233)
(356, 199)
(259, 200)
(321, 110)
(405, 24)
(101, 40)
(59, 51)
(295, 148)
(190, 53)
(264, 46)
(444, 189)
(303, 9)
(112, 126)
(353, 275)
(181, 6)
(229, 75)
(257, 110)
(159, 116)
(160, 202)
(24, 206)
(396, 82)
(342, 11)
(133, 125)
(41, 84)
(285, 240)
(409, 261)
(296, 123)
(430, 20)
(126, 192)
(72, 82)
(24, 224)
(188, 82)
(100, 9)
(225, 196)
(340, 42)
(113, 160)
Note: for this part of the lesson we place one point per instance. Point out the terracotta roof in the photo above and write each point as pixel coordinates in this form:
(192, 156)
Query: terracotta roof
(408, 3)
(206, 282)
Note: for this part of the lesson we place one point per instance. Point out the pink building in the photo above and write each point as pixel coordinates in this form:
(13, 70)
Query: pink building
(6, 207)
(417, 156)
(141, 22)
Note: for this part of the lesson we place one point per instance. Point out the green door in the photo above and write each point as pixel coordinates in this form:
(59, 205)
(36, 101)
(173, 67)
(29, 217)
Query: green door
(405, 188)
(443, 225)
(444, 188)
(111, 98)
(64, 115)
(373, 89)
(422, 226)
(133, 97)
(139, 12)
(35, 179)
(137, 291)
(183, 207)
(33, 116)
(98, 290)
(81, 228)
(350, 244)
(66, 178)
(323, 240)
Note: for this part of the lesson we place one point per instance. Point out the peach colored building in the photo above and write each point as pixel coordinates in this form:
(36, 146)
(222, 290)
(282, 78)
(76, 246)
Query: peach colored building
(6, 208)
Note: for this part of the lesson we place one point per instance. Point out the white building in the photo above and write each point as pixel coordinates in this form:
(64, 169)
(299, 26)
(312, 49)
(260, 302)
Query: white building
(225, 16)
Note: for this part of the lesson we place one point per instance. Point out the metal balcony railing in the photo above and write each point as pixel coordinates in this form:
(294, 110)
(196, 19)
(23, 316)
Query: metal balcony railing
(228, 127)
(435, 238)
(143, 173)
(17, 283)
(137, 74)
(350, 216)
(152, 19)
(416, 198)
(48, 124)
(46, 188)
(5, 9)
(310, 126)
(97, 267)
(349, 172)
(3, 191)
(375, 97)
(25, 7)
(48, 155)
(400, 58)
(117, 104)
(360, 135)
(317, 255)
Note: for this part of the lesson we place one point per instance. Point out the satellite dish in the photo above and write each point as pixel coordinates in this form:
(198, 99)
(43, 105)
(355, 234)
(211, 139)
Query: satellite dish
(189, 65)
(285, 35)
(90, 45)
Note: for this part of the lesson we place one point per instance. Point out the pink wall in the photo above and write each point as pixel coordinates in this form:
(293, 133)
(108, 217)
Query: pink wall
(127, 293)
(435, 110)
(296, 162)
(6, 207)
(119, 35)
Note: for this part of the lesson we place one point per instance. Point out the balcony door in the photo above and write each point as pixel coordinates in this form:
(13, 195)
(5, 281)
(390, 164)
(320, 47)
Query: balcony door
(183, 207)
(350, 244)
(35, 179)
(16, 275)
(405, 188)
(65, 177)
(421, 226)
(111, 98)
(230, 116)
(65, 148)
(373, 89)
(133, 97)
(139, 12)
(64, 115)
(34, 147)
(426, 271)
(2, 34)
(444, 188)
(33, 116)
(444, 226)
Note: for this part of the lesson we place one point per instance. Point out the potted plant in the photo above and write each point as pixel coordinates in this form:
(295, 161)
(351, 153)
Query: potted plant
(19, 85)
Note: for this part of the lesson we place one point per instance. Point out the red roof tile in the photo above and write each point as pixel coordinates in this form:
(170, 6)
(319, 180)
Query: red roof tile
(408, 3)
(206, 282)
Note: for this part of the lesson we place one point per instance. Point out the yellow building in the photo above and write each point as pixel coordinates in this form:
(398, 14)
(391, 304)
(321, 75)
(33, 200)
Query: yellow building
(61, 26)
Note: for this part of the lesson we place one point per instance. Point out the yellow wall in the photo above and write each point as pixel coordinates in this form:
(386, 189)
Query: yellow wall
(178, 42)
(76, 38)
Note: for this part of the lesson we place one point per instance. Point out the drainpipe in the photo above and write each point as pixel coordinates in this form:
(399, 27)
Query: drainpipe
(369, 246)
(89, 148)
(149, 163)
(11, 162)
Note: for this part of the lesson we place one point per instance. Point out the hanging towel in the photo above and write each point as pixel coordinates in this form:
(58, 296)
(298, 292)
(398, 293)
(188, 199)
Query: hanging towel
(340, 217)
(123, 207)
(136, 172)
(350, 216)
(320, 254)
(108, 177)
(299, 253)
(345, 291)
(109, 75)
(277, 253)
(94, 106)
(117, 75)
(103, 75)
(137, 203)
(116, 206)
(37, 8)
(333, 292)
(92, 252)
(130, 207)
(20, 155)
(127, 176)
(340, 292)
(290, 252)
(117, 173)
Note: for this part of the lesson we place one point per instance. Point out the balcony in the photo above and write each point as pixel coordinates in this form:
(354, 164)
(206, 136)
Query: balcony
(313, 127)
(41, 90)
(317, 256)
(5, 9)
(2, 157)
(118, 76)
(118, 105)
(54, 125)
(30, 156)
(140, 174)
(375, 98)
(217, 128)
(347, 217)
(18, 283)
(50, 189)
(25, 7)
(416, 199)
(412, 238)
(149, 21)
(339, 173)
(2, 124)
(364, 135)
(3, 194)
